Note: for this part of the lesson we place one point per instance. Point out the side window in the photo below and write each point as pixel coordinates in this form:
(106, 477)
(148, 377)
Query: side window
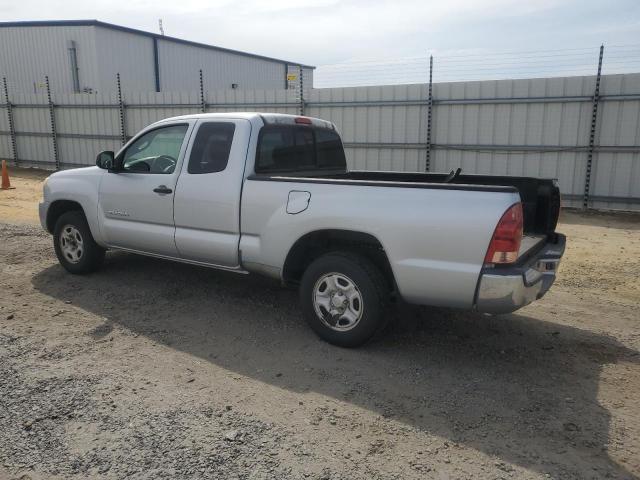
(156, 151)
(210, 151)
(285, 148)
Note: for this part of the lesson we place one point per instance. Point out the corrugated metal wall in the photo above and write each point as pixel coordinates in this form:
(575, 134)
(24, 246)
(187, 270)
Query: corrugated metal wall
(85, 125)
(129, 54)
(76, 124)
(27, 54)
(180, 64)
(531, 127)
(383, 128)
(146, 108)
(44, 51)
(545, 116)
(36, 145)
(307, 79)
(616, 171)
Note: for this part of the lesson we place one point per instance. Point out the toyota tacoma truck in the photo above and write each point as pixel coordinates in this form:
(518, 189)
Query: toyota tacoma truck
(271, 194)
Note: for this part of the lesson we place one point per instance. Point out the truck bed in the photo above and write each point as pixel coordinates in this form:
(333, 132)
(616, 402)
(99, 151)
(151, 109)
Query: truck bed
(540, 197)
(530, 243)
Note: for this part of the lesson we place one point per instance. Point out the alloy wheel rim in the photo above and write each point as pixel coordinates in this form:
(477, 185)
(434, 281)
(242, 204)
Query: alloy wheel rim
(337, 301)
(71, 244)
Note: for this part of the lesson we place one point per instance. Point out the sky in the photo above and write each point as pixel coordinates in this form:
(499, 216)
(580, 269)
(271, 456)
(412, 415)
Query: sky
(394, 37)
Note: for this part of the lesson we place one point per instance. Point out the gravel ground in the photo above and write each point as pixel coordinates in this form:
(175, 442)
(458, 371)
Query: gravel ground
(149, 369)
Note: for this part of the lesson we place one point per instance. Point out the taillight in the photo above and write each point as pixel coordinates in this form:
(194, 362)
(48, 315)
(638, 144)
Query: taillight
(507, 236)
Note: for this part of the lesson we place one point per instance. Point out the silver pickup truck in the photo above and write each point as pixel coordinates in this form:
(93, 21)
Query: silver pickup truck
(271, 194)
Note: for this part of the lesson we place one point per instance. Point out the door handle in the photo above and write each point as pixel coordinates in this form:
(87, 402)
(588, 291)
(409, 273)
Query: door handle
(162, 189)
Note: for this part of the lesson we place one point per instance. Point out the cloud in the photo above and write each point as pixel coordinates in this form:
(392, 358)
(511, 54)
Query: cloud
(329, 31)
(314, 31)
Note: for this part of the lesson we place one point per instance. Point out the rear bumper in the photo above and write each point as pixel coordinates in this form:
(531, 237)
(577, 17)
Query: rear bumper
(504, 290)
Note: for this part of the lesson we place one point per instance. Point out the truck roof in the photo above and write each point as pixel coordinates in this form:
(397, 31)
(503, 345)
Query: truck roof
(265, 117)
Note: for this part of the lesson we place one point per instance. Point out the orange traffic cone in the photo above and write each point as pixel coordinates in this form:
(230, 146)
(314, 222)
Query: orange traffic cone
(6, 184)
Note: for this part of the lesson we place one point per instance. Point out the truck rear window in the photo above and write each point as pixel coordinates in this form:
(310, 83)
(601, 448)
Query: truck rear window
(287, 148)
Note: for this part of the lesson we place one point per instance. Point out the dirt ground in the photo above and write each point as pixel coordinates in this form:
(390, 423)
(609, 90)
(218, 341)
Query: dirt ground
(149, 369)
(20, 204)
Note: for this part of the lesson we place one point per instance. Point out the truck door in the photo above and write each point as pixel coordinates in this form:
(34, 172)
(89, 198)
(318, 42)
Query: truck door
(136, 203)
(207, 199)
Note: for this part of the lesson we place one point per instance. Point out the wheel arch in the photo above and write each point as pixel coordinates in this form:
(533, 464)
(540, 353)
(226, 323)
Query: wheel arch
(59, 208)
(314, 244)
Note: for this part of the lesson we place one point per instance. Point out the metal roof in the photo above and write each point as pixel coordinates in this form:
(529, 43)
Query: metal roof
(97, 23)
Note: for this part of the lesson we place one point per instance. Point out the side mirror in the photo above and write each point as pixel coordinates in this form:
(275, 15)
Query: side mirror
(105, 160)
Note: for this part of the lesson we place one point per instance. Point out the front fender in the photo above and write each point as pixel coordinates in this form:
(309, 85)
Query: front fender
(80, 186)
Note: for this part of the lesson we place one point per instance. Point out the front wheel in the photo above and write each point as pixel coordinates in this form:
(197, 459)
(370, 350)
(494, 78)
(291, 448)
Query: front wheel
(75, 247)
(343, 297)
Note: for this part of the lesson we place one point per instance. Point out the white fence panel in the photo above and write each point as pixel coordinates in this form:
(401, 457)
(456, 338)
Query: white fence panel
(32, 122)
(81, 152)
(368, 117)
(145, 108)
(273, 101)
(35, 152)
(528, 127)
(617, 173)
(85, 125)
(531, 127)
(4, 119)
(87, 114)
(6, 152)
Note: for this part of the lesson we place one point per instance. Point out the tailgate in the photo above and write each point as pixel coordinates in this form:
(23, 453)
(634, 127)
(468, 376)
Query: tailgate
(540, 200)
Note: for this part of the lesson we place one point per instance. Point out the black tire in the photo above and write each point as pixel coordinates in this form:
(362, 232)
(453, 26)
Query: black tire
(89, 257)
(370, 283)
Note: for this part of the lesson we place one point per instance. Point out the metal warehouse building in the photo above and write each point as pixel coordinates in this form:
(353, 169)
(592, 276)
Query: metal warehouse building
(85, 55)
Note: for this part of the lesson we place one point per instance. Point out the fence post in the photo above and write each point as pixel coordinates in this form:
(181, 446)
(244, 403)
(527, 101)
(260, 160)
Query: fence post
(592, 133)
(12, 128)
(203, 106)
(301, 90)
(121, 111)
(52, 118)
(429, 114)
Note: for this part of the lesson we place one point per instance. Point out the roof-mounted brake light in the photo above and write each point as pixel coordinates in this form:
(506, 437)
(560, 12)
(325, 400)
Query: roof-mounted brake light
(303, 120)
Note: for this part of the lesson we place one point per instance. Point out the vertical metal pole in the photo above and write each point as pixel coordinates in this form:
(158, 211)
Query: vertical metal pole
(52, 118)
(592, 133)
(75, 70)
(156, 64)
(301, 91)
(429, 115)
(121, 111)
(203, 106)
(12, 129)
(286, 76)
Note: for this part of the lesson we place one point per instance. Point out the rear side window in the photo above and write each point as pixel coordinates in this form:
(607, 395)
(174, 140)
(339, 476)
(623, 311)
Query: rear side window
(211, 147)
(289, 148)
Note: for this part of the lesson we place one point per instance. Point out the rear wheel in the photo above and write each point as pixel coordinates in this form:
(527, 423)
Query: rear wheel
(343, 297)
(75, 247)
